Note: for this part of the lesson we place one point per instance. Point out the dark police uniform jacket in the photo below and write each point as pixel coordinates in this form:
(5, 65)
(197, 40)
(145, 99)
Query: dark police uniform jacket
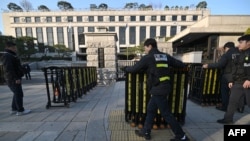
(225, 63)
(241, 67)
(12, 67)
(156, 64)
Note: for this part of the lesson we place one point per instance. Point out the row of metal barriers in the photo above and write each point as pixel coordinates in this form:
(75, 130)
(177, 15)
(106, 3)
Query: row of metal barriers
(195, 83)
(67, 84)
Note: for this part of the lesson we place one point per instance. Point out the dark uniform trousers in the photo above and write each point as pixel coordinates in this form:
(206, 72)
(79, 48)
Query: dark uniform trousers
(161, 102)
(224, 92)
(236, 96)
(17, 100)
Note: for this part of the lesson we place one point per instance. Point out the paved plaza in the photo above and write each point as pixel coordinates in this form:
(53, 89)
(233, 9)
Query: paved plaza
(97, 116)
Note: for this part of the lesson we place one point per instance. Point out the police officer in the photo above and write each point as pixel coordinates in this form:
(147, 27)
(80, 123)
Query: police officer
(239, 80)
(225, 65)
(156, 64)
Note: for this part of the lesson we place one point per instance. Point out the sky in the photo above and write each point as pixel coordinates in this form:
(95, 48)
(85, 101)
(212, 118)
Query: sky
(217, 7)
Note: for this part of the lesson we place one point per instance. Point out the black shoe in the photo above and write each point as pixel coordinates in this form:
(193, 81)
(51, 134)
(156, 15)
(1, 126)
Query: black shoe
(179, 139)
(221, 109)
(223, 121)
(141, 133)
(241, 110)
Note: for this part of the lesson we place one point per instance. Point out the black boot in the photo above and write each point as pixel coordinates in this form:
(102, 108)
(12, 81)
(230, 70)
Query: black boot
(241, 110)
(141, 133)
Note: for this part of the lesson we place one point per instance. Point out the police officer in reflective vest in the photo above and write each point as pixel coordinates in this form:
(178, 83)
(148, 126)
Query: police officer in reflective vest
(156, 64)
(239, 80)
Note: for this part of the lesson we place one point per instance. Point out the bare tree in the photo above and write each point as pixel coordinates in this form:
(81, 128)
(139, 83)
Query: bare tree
(26, 5)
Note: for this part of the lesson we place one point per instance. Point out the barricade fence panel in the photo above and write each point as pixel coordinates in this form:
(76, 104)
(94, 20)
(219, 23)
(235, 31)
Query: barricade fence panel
(204, 85)
(137, 97)
(67, 84)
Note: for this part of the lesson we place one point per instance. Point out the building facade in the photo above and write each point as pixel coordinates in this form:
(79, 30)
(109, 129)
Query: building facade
(69, 27)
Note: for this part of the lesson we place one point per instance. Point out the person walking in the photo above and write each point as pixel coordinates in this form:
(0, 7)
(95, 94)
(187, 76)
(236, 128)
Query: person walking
(26, 66)
(156, 64)
(225, 66)
(239, 80)
(13, 74)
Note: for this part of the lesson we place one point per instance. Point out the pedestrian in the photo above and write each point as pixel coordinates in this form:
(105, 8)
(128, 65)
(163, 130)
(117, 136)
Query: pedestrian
(239, 80)
(13, 76)
(225, 66)
(156, 64)
(26, 66)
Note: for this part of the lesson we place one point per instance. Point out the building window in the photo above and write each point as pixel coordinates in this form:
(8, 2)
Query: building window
(79, 18)
(81, 37)
(16, 20)
(19, 32)
(70, 18)
(37, 19)
(60, 37)
(183, 18)
(142, 33)
(112, 18)
(163, 18)
(28, 19)
(142, 18)
(29, 32)
(39, 34)
(100, 18)
(121, 18)
(50, 37)
(91, 18)
(132, 36)
(195, 17)
(71, 44)
(173, 30)
(122, 35)
(183, 27)
(49, 19)
(91, 29)
(163, 31)
(58, 19)
(112, 29)
(133, 18)
(152, 31)
(153, 18)
(101, 61)
(174, 18)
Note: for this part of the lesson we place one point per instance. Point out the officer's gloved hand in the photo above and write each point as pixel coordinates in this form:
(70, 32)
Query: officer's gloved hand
(123, 68)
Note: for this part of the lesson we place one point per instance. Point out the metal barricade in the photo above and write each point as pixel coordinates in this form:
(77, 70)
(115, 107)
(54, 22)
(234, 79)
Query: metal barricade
(137, 97)
(204, 85)
(67, 84)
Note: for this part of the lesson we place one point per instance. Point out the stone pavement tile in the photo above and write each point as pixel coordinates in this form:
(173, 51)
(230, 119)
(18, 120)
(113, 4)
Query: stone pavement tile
(66, 136)
(76, 126)
(53, 126)
(11, 136)
(48, 136)
(30, 136)
(19, 126)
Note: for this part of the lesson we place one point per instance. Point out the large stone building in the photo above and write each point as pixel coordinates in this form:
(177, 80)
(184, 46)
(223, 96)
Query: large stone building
(69, 27)
(189, 29)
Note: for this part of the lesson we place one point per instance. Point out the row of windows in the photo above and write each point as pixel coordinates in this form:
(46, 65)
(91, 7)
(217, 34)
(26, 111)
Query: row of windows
(70, 34)
(48, 19)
